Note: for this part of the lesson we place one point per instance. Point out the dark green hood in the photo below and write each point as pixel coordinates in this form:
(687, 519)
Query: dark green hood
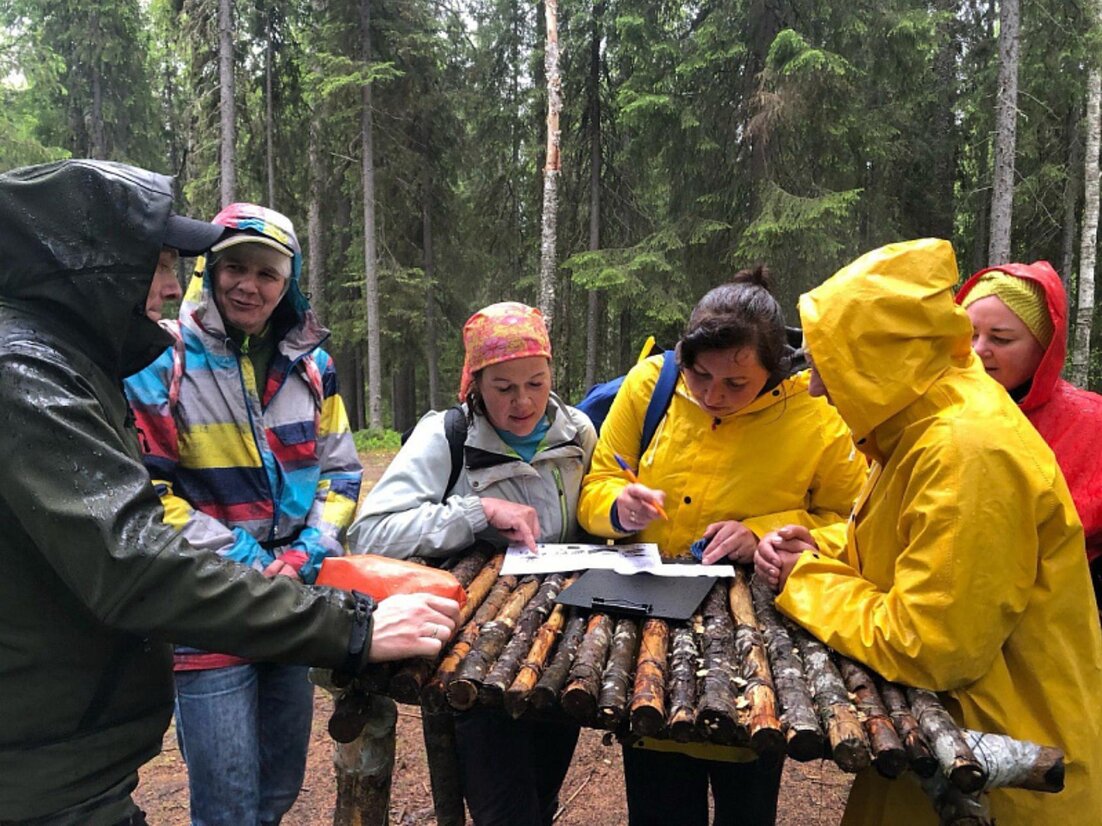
(79, 247)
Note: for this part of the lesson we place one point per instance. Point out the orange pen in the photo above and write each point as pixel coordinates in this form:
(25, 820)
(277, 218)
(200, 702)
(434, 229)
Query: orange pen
(633, 478)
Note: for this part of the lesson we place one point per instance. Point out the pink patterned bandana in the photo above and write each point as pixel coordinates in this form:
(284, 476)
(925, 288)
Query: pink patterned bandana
(501, 332)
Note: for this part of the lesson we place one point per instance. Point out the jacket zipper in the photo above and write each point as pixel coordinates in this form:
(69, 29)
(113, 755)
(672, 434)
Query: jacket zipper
(252, 429)
(557, 475)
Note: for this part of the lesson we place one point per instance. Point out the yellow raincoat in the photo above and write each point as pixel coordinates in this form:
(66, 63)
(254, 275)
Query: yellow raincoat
(784, 458)
(963, 570)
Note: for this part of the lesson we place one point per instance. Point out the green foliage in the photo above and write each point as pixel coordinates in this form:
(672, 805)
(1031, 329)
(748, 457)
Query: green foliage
(377, 440)
(727, 133)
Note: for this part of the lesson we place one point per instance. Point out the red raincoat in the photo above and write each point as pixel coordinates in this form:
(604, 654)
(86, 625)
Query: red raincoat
(1068, 418)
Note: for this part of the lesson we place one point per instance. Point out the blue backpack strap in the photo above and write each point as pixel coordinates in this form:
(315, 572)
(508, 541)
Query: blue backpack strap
(660, 399)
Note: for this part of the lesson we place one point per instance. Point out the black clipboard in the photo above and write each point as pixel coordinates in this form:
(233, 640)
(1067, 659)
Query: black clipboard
(640, 595)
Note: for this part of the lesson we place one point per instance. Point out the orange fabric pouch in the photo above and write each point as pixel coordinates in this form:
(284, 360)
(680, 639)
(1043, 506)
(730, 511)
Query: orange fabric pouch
(380, 577)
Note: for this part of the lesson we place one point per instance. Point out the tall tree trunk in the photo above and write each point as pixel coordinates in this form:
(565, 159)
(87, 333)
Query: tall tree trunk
(371, 269)
(1071, 193)
(96, 135)
(552, 169)
(227, 112)
(945, 70)
(315, 260)
(269, 119)
(315, 264)
(1079, 368)
(403, 393)
(593, 302)
(431, 355)
(1006, 126)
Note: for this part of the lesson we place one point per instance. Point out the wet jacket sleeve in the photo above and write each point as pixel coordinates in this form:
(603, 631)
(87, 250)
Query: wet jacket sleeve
(407, 512)
(963, 573)
(840, 471)
(148, 395)
(86, 503)
(338, 484)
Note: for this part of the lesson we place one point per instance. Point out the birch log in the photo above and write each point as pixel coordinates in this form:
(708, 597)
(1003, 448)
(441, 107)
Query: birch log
(546, 692)
(761, 699)
(799, 720)
(956, 758)
(1016, 764)
(919, 755)
(648, 703)
(492, 639)
(717, 717)
(848, 745)
(516, 698)
(612, 701)
(684, 662)
(888, 755)
(579, 698)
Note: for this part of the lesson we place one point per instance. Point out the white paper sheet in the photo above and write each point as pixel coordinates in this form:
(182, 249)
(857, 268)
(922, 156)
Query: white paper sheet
(640, 557)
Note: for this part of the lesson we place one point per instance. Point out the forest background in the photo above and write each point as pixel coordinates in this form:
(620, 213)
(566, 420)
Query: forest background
(407, 139)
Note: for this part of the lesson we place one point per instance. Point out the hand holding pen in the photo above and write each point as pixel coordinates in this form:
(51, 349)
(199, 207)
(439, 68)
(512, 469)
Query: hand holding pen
(637, 505)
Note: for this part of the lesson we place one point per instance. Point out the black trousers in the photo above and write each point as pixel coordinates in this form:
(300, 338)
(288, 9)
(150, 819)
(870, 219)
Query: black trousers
(512, 769)
(665, 788)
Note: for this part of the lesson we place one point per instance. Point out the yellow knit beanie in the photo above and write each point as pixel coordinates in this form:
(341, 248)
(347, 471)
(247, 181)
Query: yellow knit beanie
(1024, 297)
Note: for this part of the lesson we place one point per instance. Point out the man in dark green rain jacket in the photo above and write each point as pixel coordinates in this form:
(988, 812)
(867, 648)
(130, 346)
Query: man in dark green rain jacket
(94, 585)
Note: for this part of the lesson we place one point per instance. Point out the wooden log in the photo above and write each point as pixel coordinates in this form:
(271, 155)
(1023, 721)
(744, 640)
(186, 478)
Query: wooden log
(717, 716)
(516, 697)
(546, 692)
(492, 689)
(492, 639)
(438, 729)
(612, 700)
(435, 693)
(579, 698)
(684, 662)
(919, 755)
(953, 807)
(889, 758)
(759, 711)
(648, 696)
(470, 564)
(408, 680)
(1016, 764)
(954, 755)
(351, 710)
(364, 768)
(798, 717)
(848, 745)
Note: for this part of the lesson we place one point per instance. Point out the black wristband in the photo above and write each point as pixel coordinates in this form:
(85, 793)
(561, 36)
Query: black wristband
(362, 606)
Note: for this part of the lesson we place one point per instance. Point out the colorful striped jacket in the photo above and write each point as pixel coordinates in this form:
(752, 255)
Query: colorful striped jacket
(250, 473)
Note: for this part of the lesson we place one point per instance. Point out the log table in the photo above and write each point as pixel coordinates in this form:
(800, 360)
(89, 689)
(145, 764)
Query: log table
(737, 673)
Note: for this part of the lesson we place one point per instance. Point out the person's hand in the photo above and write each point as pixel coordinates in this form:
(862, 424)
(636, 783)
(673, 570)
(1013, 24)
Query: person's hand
(281, 568)
(518, 523)
(411, 625)
(635, 506)
(778, 551)
(729, 540)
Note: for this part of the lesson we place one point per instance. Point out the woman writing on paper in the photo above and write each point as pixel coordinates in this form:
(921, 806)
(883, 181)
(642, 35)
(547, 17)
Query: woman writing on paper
(524, 457)
(742, 449)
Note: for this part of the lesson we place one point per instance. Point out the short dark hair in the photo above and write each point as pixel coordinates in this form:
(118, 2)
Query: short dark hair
(741, 313)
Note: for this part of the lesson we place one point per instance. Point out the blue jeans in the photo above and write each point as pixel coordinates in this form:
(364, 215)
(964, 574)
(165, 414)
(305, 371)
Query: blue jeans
(243, 731)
